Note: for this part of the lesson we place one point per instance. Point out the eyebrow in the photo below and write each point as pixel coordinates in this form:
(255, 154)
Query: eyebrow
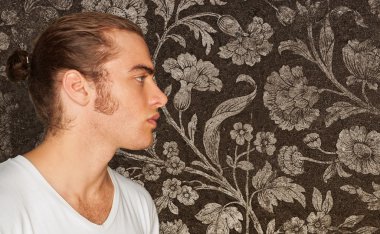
(146, 68)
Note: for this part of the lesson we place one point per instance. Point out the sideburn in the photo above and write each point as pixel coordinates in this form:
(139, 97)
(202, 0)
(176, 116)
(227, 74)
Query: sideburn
(104, 102)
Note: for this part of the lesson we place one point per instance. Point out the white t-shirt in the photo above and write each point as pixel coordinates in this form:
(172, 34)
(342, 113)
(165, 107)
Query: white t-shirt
(29, 205)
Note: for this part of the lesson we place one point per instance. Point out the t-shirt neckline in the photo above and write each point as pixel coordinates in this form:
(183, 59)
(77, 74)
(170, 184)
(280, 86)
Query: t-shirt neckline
(115, 202)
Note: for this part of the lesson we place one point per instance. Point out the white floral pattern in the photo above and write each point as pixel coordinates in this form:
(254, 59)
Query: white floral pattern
(4, 41)
(176, 227)
(192, 74)
(362, 59)
(241, 133)
(318, 223)
(265, 142)
(290, 160)
(171, 188)
(9, 17)
(295, 226)
(360, 150)
(187, 195)
(134, 10)
(271, 125)
(174, 165)
(151, 172)
(290, 100)
(171, 149)
(250, 48)
(122, 171)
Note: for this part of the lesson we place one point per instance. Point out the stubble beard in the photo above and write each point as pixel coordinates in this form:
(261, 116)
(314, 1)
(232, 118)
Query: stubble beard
(105, 103)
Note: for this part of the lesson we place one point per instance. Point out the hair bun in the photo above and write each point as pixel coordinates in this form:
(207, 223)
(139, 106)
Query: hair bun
(18, 67)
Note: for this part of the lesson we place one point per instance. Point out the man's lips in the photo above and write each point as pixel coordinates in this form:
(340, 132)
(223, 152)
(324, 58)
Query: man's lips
(155, 117)
(153, 120)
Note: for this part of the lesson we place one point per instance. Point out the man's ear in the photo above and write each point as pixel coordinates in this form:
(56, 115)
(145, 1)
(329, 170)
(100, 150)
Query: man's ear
(76, 87)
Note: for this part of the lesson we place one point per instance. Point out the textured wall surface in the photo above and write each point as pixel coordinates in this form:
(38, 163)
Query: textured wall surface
(272, 119)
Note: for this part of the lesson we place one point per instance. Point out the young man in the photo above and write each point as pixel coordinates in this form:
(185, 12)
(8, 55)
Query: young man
(90, 77)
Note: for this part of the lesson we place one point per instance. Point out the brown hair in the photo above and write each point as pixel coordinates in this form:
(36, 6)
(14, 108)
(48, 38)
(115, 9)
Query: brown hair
(77, 41)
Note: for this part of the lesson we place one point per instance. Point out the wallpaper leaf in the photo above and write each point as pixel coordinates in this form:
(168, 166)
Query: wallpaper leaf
(61, 4)
(317, 200)
(341, 110)
(341, 171)
(161, 203)
(327, 203)
(199, 163)
(192, 127)
(164, 8)
(335, 169)
(202, 28)
(283, 149)
(326, 43)
(221, 219)
(218, 2)
(179, 39)
(173, 208)
(231, 107)
(366, 230)
(273, 189)
(352, 221)
(271, 227)
(245, 165)
(263, 176)
(283, 190)
(373, 200)
(329, 172)
(298, 47)
(184, 4)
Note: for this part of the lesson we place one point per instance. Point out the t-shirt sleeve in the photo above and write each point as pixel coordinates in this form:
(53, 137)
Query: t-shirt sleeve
(13, 217)
(151, 216)
(154, 226)
(141, 203)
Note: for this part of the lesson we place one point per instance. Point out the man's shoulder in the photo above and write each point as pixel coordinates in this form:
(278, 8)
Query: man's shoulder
(14, 181)
(135, 197)
(10, 172)
(11, 186)
(130, 187)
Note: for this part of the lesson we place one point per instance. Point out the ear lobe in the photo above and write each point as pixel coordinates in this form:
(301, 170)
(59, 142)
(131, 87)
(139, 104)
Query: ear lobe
(76, 87)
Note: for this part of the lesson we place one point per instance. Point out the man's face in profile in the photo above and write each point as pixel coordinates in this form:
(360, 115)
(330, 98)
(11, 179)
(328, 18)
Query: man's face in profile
(131, 92)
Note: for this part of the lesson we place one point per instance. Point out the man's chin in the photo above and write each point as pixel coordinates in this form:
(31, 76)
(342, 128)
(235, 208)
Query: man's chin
(141, 146)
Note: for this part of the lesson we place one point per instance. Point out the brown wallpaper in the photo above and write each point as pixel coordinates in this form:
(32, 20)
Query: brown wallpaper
(272, 119)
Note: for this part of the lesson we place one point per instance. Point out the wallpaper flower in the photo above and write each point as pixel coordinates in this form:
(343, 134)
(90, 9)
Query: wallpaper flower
(272, 120)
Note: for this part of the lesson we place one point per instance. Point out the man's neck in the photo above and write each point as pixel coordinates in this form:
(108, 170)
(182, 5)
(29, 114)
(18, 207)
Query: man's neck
(74, 165)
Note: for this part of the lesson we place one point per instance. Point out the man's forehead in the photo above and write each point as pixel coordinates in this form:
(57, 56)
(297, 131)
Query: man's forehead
(130, 41)
(132, 53)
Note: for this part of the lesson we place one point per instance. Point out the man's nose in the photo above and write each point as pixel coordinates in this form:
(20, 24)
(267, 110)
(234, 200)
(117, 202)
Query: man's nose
(159, 99)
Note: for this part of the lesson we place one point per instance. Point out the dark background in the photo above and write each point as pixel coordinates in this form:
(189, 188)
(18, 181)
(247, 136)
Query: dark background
(20, 130)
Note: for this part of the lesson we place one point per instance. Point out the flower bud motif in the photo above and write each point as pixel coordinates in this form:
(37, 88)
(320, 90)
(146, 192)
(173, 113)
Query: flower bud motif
(312, 140)
(193, 74)
(182, 98)
(285, 15)
(229, 25)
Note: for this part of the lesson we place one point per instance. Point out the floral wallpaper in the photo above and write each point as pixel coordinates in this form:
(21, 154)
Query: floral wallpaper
(272, 124)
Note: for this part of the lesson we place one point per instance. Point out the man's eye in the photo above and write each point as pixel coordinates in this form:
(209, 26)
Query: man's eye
(140, 79)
